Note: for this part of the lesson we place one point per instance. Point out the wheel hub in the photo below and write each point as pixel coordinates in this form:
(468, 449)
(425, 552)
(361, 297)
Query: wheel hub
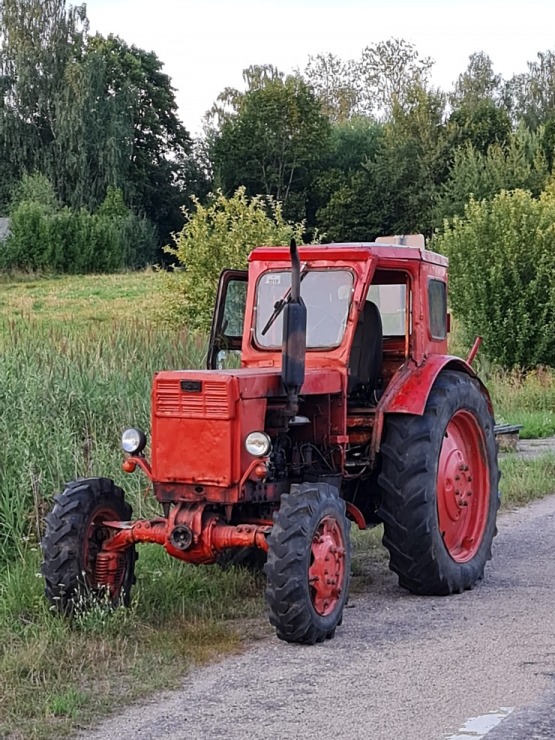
(104, 570)
(327, 571)
(462, 487)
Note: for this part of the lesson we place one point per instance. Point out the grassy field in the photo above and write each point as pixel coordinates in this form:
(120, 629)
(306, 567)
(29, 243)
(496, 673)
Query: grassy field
(83, 300)
(76, 361)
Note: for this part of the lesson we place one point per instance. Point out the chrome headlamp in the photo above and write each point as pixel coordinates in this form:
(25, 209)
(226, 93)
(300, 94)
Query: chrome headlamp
(133, 441)
(258, 444)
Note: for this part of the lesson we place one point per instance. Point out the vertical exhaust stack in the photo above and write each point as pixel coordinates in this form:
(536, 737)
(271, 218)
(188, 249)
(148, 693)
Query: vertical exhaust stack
(294, 338)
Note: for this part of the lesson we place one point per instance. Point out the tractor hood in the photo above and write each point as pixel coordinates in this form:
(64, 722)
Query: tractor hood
(200, 419)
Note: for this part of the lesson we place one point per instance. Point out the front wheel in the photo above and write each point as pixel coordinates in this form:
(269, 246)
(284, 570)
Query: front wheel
(309, 562)
(439, 488)
(74, 574)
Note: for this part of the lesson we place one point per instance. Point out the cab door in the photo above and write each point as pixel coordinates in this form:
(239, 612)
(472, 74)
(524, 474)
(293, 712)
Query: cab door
(226, 334)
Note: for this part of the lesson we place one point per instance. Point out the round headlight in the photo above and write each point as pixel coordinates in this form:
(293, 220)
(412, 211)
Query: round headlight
(258, 444)
(133, 441)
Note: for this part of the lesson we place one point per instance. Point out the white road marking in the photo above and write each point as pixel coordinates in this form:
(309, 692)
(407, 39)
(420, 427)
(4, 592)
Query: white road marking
(477, 727)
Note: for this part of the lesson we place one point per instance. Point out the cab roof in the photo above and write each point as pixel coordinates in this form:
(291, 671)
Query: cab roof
(346, 251)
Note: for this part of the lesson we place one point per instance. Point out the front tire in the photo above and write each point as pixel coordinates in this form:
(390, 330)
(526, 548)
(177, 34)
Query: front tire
(309, 563)
(71, 543)
(439, 489)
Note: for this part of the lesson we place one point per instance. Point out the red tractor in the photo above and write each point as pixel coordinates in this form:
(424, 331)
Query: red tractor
(346, 408)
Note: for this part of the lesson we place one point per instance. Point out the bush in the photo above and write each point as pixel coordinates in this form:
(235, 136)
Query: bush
(215, 237)
(45, 237)
(502, 263)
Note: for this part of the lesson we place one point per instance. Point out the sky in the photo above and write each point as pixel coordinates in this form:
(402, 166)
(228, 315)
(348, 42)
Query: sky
(206, 44)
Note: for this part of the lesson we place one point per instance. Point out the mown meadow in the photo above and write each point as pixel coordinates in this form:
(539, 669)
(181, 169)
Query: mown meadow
(76, 360)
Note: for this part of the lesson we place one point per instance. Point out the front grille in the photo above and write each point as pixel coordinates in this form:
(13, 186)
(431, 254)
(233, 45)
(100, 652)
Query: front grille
(214, 401)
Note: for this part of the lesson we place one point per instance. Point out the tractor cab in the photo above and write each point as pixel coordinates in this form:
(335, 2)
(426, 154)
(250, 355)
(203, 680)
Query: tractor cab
(371, 308)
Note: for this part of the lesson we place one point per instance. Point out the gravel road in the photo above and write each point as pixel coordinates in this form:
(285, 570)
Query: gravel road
(401, 667)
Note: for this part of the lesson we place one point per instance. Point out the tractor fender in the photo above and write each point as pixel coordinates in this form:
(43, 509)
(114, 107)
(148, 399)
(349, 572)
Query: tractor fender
(410, 387)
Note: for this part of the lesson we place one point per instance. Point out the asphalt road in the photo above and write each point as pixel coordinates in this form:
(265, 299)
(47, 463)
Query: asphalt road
(401, 667)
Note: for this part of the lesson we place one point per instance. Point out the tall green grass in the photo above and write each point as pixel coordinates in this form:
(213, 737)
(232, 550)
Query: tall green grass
(66, 393)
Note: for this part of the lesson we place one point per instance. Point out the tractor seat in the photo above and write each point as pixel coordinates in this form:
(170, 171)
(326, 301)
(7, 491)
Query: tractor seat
(365, 363)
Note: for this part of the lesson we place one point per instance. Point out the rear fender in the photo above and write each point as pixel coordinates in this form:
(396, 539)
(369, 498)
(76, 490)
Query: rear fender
(408, 391)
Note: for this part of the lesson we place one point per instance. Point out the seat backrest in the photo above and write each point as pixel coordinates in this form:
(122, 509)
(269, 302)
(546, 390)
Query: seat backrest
(365, 362)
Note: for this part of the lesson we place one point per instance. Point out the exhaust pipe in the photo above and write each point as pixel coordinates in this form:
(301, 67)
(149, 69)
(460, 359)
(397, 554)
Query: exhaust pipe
(294, 338)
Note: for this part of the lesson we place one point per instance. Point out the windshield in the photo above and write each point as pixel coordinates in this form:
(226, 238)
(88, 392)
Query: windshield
(327, 296)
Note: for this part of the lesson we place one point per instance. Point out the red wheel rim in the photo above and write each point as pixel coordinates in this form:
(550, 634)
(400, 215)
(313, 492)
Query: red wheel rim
(327, 570)
(103, 569)
(463, 487)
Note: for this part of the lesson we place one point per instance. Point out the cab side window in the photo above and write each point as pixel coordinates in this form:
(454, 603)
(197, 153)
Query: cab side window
(437, 307)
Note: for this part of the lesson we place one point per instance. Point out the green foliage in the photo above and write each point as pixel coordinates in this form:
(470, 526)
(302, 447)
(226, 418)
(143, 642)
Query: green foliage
(158, 148)
(345, 190)
(410, 164)
(519, 164)
(272, 141)
(531, 96)
(89, 113)
(36, 189)
(502, 264)
(401, 164)
(390, 71)
(44, 237)
(336, 84)
(525, 398)
(480, 124)
(218, 236)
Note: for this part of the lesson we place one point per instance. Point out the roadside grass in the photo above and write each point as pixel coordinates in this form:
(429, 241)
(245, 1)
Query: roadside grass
(77, 355)
(523, 480)
(58, 675)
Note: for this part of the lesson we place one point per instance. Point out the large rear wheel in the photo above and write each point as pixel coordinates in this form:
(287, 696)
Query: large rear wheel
(309, 562)
(439, 484)
(74, 571)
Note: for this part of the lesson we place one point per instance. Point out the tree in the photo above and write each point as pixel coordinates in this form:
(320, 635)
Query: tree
(389, 71)
(474, 174)
(531, 96)
(481, 123)
(89, 114)
(502, 263)
(39, 42)
(345, 189)
(477, 83)
(158, 147)
(410, 164)
(272, 141)
(370, 86)
(336, 83)
(219, 235)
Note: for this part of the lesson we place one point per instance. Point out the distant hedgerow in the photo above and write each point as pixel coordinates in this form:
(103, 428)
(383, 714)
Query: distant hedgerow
(46, 237)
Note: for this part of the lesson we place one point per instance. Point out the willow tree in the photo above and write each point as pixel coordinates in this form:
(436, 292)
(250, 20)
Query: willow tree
(41, 40)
